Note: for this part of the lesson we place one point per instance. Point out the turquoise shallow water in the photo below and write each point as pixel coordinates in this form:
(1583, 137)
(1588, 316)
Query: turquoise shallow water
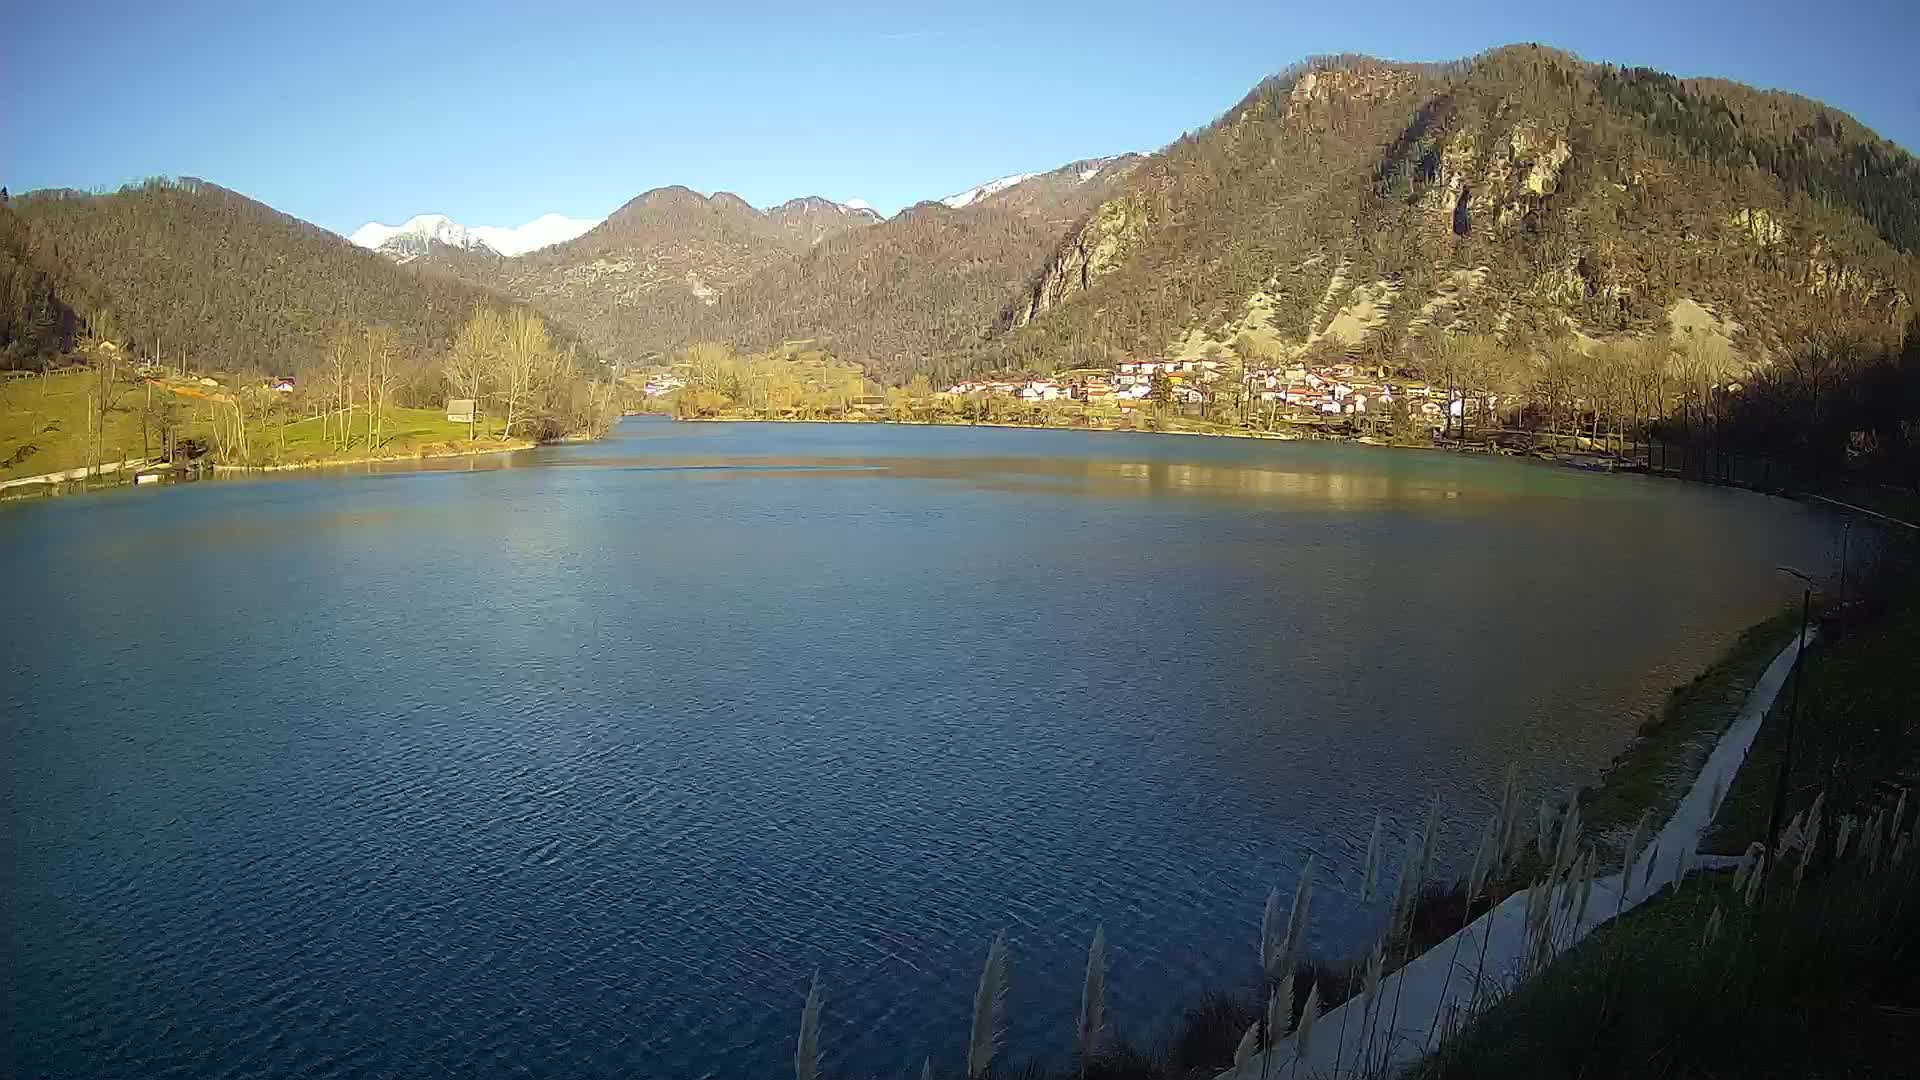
(578, 762)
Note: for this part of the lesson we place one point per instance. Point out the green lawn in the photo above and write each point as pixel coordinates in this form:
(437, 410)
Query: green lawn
(403, 432)
(44, 428)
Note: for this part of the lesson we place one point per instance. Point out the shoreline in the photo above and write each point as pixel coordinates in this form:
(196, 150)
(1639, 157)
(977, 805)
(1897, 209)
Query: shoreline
(1415, 1029)
(29, 489)
(1562, 459)
(332, 463)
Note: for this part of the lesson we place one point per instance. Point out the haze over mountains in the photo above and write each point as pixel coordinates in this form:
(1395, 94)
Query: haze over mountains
(1347, 203)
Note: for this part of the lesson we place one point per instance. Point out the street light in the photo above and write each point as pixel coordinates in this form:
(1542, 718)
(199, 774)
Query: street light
(1793, 715)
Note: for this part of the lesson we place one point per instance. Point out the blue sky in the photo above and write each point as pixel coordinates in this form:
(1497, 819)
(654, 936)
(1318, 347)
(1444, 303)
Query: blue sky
(346, 112)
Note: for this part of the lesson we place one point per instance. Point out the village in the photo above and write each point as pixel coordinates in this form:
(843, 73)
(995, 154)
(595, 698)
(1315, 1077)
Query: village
(1292, 390)
(1333, 395)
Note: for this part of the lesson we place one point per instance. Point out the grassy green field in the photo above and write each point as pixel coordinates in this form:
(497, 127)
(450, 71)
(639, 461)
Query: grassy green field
(44, 427)
(44, 423)
(403, 433)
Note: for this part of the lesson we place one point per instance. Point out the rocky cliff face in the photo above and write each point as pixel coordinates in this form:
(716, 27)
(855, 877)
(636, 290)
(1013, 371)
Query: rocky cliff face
(1095, 249)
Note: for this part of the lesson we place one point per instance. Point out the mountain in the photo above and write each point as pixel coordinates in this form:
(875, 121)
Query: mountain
(1523, 199)
(418, 235)
(640, 280)
(968, 197)
(813, 219)
(674, 266)
(923, 286)
(172, 266)
(1047, 193)
(1523, 195)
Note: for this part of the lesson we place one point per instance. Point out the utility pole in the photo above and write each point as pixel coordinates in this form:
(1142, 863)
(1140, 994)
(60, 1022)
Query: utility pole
(1846, 534)
(1793, 715)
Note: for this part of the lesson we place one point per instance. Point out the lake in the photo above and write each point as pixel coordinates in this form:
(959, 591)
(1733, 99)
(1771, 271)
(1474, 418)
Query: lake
(579, 762)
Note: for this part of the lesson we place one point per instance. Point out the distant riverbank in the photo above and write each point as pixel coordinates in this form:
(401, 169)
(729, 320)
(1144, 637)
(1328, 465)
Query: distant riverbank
(1593, 460)
(1185, 427)
(418, 454)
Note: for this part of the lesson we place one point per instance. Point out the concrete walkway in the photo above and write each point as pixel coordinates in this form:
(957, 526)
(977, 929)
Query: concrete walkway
(1423, 987)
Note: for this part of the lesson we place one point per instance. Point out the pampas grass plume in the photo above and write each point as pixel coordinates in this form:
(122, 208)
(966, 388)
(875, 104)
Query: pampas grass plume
(1093, 995)
(1428, 836)
(1634, 843)
(1847, 826)
(1303, 1035)
(1297, 919)
(1279, 1010)
(1248, 1044)
(987, 1001)
(1748, 860)
(806, 1056)
(1483, 857)
(1370, 874)
(1569, 842)
(1270, 933)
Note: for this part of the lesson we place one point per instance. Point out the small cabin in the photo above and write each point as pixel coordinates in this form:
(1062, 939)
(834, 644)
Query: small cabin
(461, 410)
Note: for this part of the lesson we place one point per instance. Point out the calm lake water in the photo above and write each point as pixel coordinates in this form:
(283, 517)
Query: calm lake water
(579, 762)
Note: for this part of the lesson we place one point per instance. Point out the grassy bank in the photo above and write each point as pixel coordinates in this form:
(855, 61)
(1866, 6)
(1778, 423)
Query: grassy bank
(1808, 971)
(1814, 983)
(403, 434)
(47, 425)
(46, 422)
(1857, 735)
(1668, 750)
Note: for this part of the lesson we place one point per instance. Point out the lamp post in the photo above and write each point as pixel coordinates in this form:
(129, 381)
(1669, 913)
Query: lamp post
(1793, 715)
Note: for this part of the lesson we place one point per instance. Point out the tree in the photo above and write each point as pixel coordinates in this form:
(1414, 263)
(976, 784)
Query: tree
(476, 354)
(523, 369)
(379, 355)
(339, 376)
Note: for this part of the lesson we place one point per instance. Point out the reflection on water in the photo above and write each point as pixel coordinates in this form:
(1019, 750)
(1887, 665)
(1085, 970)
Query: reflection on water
(579, 761)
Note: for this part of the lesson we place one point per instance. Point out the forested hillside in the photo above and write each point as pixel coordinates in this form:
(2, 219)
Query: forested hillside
(1523, 201)
(178, 268)
(1499, 214)
(640, 282)
(1524, 197)
(898, 295)
(916, 294)
(35, 322)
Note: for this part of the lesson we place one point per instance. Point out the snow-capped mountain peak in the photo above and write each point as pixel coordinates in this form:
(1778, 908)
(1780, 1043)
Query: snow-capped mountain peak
(422, 228)
(414, 237)
(992, 187)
